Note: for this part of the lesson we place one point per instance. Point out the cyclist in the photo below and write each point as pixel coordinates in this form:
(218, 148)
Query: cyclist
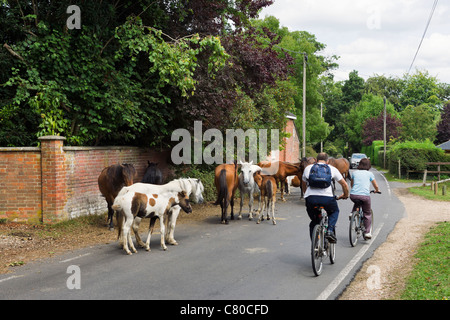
(323, 196)
(360, 192)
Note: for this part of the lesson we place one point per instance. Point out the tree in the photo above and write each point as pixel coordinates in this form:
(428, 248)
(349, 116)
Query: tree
(370, 106)
(419, 123)
(443, 128)
(373, 128)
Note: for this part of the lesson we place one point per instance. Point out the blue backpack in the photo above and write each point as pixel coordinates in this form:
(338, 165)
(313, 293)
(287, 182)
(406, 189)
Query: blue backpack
(320, 176)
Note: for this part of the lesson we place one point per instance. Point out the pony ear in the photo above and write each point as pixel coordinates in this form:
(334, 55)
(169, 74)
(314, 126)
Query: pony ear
(251, 162)
(240, 162)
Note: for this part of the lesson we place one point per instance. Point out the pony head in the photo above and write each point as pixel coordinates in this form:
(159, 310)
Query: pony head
(246, 169)
(183, 202)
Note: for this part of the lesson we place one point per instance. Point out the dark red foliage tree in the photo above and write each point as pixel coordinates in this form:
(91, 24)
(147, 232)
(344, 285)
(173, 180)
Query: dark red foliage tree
(443, 127)
(373, 129)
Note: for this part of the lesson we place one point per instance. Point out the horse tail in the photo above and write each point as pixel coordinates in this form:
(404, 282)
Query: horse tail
(120, 217)
(269, 191)
(223, 187)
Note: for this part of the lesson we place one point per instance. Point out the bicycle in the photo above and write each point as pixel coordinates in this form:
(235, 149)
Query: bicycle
(356, 226)
(320, 246)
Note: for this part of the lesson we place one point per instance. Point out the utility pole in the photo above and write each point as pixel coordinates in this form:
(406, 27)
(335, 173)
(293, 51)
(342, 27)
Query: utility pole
(321, 116)
(305, 59)
(384, 133)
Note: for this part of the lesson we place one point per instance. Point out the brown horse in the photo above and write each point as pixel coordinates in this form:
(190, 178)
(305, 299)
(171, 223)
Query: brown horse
(268, 187)
(226, 181)
(304, 162)
(111, 180)
(279, 170)
(343, 165)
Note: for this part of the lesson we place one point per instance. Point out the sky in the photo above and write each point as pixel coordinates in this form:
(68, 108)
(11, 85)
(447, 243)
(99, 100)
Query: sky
(374, 37)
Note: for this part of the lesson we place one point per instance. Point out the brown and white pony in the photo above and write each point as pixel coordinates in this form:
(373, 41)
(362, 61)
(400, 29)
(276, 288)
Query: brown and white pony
(191, 186)
(132, 207)
(268, 188)
(110, 182)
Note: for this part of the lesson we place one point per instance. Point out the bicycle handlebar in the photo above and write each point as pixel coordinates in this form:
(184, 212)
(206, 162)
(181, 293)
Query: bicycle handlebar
(373, 191)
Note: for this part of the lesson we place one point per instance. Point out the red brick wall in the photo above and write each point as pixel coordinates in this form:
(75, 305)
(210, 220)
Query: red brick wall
(20, 184)
(67, 186)
(291, 153)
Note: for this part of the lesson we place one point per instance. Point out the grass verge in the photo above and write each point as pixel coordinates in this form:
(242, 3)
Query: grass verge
(430, 278)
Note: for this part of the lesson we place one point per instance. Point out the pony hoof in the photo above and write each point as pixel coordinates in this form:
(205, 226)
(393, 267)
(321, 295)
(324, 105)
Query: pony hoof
(274, 222)
(129, 253)
(148, 249)
(250, 219)
(111, 229)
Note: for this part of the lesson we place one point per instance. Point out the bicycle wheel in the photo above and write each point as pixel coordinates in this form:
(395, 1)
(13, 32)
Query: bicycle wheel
(353, 228)
(332, 252)
(317, 250)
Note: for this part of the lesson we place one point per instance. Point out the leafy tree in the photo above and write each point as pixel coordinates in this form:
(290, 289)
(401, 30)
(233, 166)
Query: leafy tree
(370, 106)
(420, 88)
(419, 123)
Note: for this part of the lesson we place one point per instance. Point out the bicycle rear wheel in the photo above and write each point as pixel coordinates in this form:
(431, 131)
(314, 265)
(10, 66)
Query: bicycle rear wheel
(332, 252)
(354, 228)
(317, 250)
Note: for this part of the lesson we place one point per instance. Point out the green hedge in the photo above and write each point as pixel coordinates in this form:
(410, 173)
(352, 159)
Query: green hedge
(414, 155)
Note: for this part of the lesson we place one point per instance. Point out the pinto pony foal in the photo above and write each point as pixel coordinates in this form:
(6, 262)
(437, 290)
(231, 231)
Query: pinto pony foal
(132, 207)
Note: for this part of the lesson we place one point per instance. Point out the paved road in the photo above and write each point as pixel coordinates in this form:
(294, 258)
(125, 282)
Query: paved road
(241, 260)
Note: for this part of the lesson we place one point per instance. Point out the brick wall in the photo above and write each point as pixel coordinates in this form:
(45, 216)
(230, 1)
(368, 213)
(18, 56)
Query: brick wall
(54, 183)
(291, 153)
(20, 184)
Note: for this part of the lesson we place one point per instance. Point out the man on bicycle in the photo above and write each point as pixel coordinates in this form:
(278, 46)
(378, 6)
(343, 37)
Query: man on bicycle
(320, 194)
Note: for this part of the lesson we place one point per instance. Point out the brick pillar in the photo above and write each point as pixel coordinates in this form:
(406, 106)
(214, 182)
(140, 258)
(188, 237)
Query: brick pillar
(53, 178)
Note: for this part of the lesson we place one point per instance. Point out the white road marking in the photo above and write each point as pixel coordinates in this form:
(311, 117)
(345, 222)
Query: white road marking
(348, 268)
(74, 258)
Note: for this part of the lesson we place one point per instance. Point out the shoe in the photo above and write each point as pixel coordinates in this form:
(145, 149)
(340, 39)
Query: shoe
(331, 237)
(367, 236)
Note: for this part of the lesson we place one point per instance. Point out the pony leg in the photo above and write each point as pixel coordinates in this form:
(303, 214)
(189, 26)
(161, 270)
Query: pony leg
(250, 206)
(273, 210)
(150, 231)
(232, 207)
(163, 231)
(242, 204)
(261, 216)
(136, 223)
(171, 222)
(125, 235)
(282, 182)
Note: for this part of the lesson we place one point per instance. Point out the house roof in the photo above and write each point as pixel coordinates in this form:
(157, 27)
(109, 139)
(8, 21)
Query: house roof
(290, 115)
(445, 145)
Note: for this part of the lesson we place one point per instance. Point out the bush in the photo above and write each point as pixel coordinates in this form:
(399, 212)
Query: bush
(414, 155)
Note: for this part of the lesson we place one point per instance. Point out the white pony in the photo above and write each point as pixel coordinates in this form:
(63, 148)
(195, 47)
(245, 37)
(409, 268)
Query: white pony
(190, 186)
(132, 207)
(247, 185)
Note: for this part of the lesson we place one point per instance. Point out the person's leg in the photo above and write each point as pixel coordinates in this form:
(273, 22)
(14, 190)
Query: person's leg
(311, 202)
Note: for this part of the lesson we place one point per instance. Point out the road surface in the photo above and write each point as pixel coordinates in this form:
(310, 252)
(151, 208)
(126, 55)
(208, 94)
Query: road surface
(239, 261)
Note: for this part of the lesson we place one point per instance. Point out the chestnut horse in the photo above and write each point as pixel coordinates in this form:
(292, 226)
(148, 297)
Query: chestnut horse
(226, 181)
(110, 182)
(280, 170)
(343, 165)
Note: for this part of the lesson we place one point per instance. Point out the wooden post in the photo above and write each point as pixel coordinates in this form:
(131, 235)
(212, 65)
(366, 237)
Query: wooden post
(444, 190)
(436, 187)
(424, 177)
(399, 170)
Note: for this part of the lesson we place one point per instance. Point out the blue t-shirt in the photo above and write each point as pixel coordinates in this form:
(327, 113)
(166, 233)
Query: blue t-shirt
(361, 182)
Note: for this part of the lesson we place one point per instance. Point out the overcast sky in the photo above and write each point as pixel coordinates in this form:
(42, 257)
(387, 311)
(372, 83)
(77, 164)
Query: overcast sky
(374, 37)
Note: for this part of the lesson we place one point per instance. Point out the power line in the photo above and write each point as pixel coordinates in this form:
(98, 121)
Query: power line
(423, 36)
